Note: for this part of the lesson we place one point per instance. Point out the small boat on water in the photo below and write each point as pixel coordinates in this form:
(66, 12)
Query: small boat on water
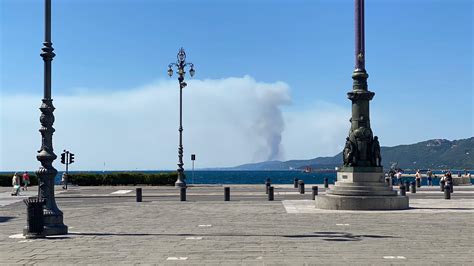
(307, 169)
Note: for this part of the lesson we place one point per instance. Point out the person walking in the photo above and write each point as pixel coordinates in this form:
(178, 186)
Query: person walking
(26, 180)
(16, 185)
(429, 174)
(418, 178)
(399, 178)
(449, 176)
(392, 176)
(64, 180)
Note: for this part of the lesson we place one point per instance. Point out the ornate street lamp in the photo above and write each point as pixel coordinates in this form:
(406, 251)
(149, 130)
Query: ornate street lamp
(180, 66)
(360, 181)
(53, 217)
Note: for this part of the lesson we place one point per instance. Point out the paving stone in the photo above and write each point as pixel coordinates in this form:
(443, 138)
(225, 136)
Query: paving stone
(249, 231)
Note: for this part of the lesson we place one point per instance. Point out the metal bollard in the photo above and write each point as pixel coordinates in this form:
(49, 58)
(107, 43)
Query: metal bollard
(295, 184)
(326, 182)
(447, 192)
(182, 194)
(139, 194)
(301, 186)
(268, 183)
(226, 193)
(413, 187)
(315, 191)
(270, 193)
(35, 218)
(442, 184)
(418, 182)
(451, 186)
(403, 191)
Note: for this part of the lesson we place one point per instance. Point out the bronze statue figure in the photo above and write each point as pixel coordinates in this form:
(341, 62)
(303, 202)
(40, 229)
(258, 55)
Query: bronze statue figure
(349, 153)
(376, 156)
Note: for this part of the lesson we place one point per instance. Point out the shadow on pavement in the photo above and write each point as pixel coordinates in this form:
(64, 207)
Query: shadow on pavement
(338, 236)
(434, 208)
(327, 236)
(4, 219)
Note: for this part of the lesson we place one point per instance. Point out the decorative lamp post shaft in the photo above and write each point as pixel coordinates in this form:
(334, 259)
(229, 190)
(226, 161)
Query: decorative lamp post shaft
(362, 148)
(180, 65)
(360, 36)
(53, 217)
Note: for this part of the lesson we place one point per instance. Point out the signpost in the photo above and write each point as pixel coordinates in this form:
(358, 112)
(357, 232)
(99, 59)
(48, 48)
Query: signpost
(67, 158)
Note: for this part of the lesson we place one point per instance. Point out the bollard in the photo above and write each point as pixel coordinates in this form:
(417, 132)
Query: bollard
(326, 182)
(447, 192)
(387, 181)
(402, 191)
(442, 184)
(34, 218)
(267, 185)
(295, 184)
(301, 186)
(451, 186)
(182, 194)
(139, 194)
(418, 182)
(270, 193)
(226, 193)
(413, 187)
(315, 191)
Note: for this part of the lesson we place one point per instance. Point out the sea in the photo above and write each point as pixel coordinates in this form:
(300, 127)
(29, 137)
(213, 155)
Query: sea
(239, 177)
(252, 177)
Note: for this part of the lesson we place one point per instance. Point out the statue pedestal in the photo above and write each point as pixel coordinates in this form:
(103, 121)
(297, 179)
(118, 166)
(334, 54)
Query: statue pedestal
(361, 188)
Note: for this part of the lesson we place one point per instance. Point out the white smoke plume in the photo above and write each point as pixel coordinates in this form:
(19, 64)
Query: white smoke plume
(226, 122)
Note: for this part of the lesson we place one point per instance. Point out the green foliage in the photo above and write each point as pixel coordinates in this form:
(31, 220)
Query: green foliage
(122, 178)
(434, 154)
(6, 179)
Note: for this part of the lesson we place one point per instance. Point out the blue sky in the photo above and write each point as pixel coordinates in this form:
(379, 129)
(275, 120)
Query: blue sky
(419, 56)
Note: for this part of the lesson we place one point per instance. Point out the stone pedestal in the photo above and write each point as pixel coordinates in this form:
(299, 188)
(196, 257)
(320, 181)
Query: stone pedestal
(361, 188)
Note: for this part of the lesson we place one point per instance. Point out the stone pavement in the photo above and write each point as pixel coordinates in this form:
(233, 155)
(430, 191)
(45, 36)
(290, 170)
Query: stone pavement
(107, 226)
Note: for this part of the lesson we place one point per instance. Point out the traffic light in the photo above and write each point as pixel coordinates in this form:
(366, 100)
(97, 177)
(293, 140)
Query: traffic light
(63, 158)
(71, 158)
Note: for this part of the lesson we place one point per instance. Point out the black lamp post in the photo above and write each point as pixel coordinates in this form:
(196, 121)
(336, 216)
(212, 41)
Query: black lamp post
(180, 66)
(53, 217)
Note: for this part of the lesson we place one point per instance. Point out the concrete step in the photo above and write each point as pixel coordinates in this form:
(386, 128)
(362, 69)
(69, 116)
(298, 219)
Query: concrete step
(362, 184)
(362, 192)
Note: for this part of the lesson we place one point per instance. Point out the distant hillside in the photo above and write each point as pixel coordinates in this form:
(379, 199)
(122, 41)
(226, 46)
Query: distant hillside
(435, 154)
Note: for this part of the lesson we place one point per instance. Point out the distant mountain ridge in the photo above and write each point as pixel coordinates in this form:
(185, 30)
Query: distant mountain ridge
(434, 154)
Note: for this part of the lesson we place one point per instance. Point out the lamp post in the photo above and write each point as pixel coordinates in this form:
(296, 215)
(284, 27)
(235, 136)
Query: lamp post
(180, 65)
(360, 181)
(53, 217)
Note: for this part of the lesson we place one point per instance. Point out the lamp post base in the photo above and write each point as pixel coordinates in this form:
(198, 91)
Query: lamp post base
(342, 202)
(53, 225)
(361, 188)
(180, 184)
